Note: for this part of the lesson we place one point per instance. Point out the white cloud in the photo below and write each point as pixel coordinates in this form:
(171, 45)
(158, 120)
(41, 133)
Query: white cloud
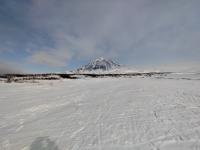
(50, 58)
(90, 28)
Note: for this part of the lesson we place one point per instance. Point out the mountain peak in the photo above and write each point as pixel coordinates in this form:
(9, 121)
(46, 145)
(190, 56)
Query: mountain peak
(100, 59)
(99, 64)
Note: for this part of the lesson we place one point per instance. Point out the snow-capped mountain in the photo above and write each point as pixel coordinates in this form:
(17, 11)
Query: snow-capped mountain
(104, 66)
(99, 65)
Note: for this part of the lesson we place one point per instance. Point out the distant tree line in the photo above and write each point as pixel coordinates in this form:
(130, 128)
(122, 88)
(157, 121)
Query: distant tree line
(54, 76)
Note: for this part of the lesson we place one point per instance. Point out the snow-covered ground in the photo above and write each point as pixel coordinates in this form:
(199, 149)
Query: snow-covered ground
(103, 114)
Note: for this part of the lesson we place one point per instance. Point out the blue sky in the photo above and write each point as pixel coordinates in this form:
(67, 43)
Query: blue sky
(60, 35)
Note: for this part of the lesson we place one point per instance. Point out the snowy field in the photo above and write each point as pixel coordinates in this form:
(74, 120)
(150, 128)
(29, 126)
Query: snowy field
(101, 114)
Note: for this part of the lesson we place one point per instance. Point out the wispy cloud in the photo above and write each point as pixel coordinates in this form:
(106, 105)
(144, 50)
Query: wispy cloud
(10, 67)
(50, 58)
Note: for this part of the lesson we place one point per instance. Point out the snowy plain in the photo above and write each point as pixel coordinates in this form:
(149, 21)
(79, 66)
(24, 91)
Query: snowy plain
(101, 114)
